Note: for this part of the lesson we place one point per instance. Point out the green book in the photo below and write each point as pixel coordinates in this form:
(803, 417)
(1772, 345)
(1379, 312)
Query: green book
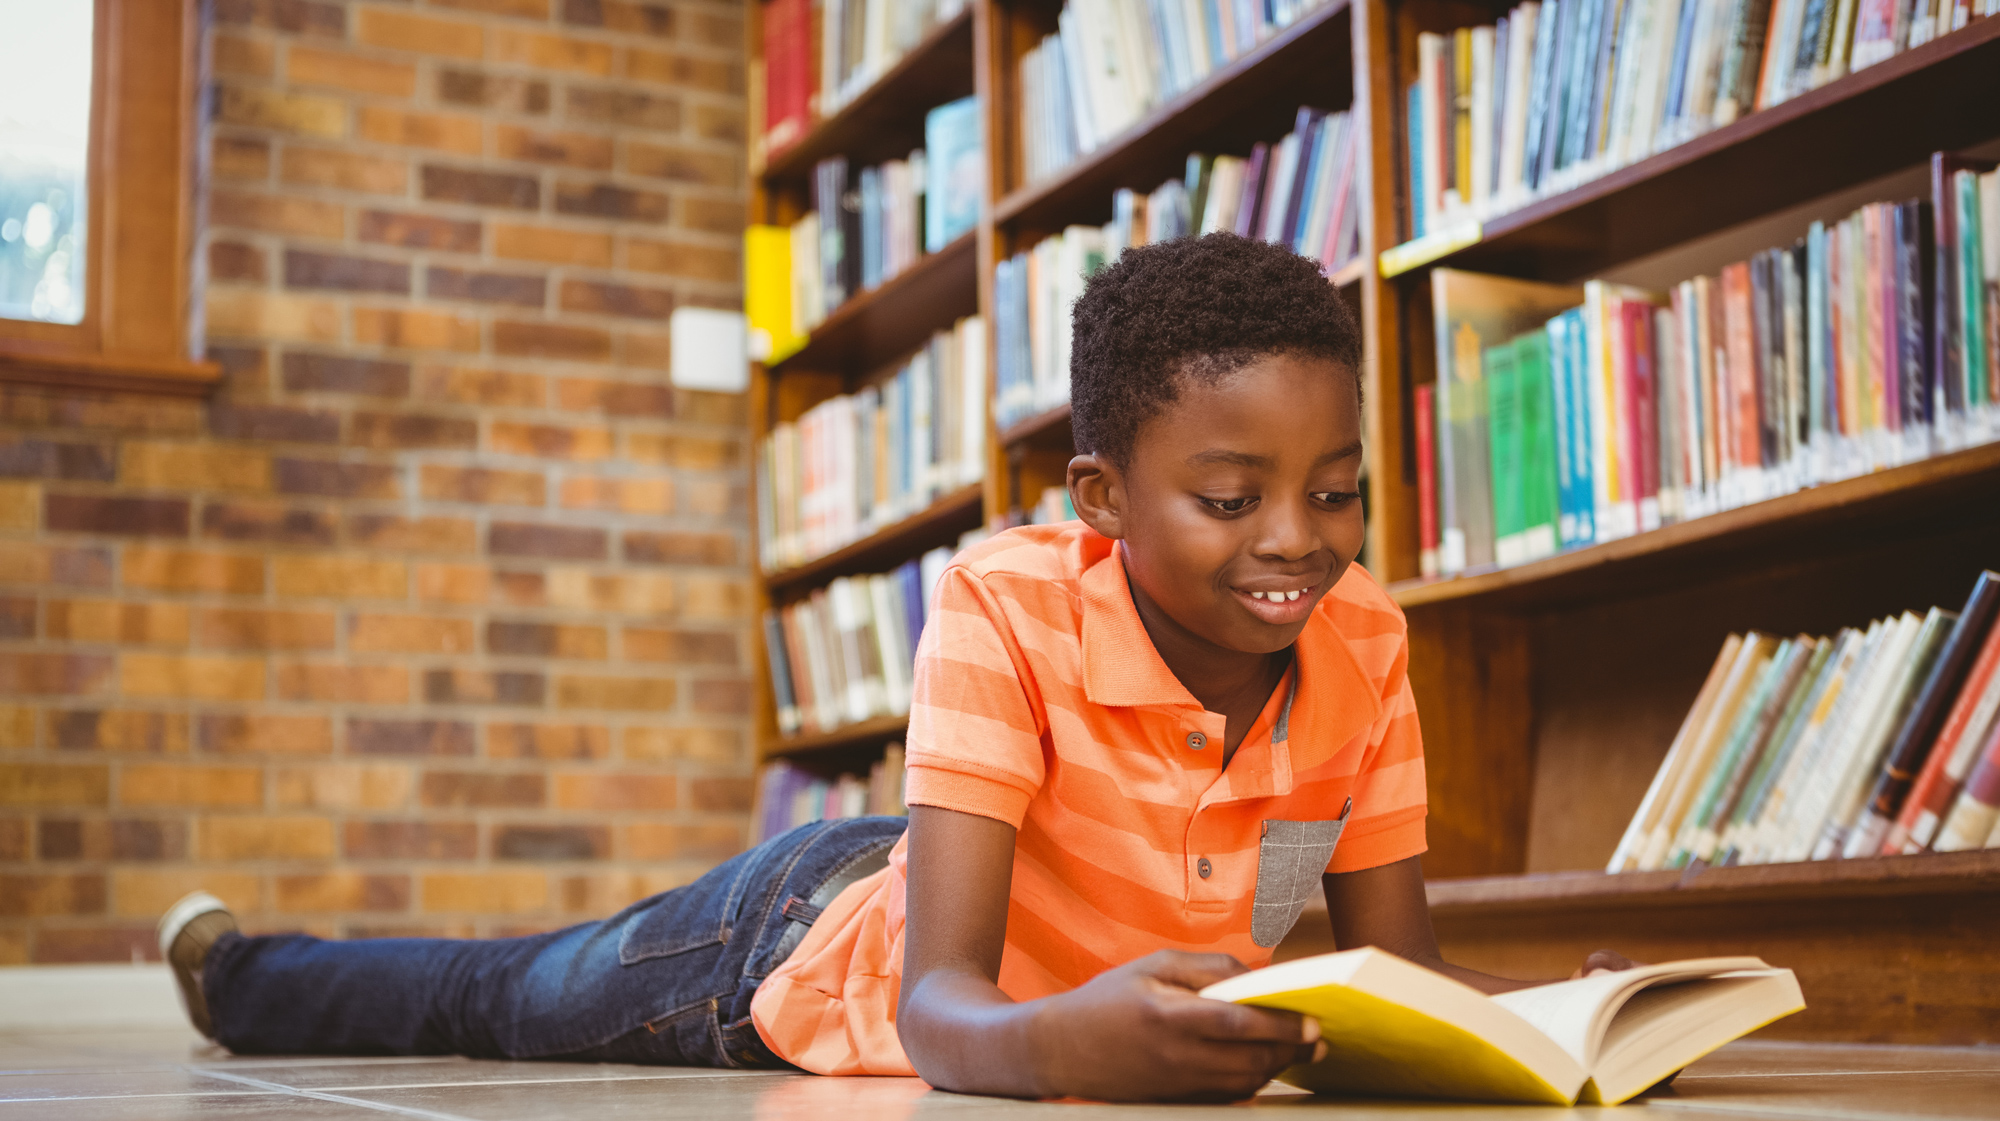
(1752, 714)
(1199, 175)
(1972, 291)
(1504, 444)
(1540, 494)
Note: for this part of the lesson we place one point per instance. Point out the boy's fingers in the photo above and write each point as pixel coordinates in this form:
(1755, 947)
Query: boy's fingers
(1190, 971)
(1241, 1023)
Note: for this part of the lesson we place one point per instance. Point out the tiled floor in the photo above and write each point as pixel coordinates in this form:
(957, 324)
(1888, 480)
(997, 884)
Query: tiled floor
(161, 1075)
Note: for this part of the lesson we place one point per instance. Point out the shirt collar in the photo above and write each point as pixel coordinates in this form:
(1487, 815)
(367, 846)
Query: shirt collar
(1335, 698)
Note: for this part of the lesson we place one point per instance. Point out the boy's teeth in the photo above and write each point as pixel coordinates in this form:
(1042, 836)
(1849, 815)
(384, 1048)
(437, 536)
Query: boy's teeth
(1276, 597)
(1291, 595)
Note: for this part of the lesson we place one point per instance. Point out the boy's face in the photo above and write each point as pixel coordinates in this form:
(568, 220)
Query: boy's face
(1241, 506)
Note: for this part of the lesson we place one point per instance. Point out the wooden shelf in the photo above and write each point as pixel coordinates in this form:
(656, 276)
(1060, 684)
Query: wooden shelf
(846, 736)
(886, 120)
(1255, 95)
(1961, 487)
(893, 319)
(1040, 428)
(938, 524)
(1940, 873)
(1937, 96)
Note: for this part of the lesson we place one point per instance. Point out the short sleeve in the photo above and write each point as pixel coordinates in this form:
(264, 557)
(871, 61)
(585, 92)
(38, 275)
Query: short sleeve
(975, 742)
(1387, 822)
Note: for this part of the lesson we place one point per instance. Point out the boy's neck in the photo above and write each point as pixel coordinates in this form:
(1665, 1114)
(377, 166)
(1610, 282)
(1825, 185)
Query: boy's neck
(1231, 683)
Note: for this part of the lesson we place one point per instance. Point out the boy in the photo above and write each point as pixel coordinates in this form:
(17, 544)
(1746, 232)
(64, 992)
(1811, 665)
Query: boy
(1139, 743)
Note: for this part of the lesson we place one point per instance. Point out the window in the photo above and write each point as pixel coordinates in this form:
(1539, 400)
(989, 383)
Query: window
(97, 138)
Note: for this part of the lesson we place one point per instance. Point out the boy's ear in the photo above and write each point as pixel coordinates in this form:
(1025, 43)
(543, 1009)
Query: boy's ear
(1097, 490)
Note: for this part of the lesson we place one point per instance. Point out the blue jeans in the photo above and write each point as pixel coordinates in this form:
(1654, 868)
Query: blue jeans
(667, 980)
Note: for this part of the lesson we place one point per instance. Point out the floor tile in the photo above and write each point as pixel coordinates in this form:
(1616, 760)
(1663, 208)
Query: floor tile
(357, 1076)
(1876, 1096)
(191, 1107)
(74, 1083)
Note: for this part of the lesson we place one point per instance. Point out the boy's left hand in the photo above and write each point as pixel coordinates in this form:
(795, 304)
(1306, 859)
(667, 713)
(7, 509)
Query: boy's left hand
(1604, 961)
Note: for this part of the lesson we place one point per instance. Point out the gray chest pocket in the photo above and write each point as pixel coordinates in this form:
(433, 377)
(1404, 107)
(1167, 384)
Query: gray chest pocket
(1290, 860)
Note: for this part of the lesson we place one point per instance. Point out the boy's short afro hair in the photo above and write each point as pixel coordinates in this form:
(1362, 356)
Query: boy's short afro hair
(1200, 307)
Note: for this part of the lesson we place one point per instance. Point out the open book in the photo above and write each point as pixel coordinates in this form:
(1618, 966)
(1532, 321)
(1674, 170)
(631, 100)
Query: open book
(1395, 1029)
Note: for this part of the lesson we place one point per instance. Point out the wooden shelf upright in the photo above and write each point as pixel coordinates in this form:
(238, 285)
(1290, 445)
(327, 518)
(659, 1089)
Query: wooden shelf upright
(1548, 692)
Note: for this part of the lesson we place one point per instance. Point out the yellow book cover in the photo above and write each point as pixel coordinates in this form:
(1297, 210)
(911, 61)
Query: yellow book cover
(1396, 1029)
(767, 293)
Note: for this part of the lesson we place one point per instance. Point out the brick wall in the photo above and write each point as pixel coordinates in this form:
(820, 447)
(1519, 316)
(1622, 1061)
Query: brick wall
(435, 618)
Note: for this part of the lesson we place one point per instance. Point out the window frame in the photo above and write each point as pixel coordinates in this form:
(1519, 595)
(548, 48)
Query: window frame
(141, 306)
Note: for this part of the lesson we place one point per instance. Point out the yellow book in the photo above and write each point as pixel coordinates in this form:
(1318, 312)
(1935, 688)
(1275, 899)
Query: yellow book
(767, 293)
(1396, 1029)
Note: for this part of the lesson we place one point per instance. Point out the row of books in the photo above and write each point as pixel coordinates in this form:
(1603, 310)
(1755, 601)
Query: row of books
(818, 54)
(1298, 192)
(1563, 91)
(845, 653)
(858, 462)
(1872, 742)
(789, 796)
(1565, 416)
(1112, 61)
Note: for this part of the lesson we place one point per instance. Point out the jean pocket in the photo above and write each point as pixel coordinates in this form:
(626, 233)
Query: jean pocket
(684, 919)
(1290, 860)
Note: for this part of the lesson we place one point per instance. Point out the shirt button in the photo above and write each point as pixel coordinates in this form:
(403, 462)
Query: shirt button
(1204, 867)
(1197, 741)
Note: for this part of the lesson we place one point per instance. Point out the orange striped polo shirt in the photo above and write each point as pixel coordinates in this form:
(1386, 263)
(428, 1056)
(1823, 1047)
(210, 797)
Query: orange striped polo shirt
(1041, 702)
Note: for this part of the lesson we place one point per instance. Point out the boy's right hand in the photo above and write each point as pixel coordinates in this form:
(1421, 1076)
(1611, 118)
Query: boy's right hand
(1139, 1032)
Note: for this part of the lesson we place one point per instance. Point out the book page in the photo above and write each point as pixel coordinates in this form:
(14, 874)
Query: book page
(1576, 1014)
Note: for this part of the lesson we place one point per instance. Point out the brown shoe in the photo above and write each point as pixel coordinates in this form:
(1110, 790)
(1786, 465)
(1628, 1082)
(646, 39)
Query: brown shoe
(187, 932)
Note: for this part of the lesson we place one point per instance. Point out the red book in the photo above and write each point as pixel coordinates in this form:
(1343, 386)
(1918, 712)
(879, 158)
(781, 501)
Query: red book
(1945, 769)
(788, 78)
(1642, 418)
(1739, 345)
(1427, 503)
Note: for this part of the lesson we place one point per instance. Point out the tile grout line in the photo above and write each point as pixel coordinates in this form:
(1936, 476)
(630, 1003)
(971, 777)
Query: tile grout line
(1840, 1073)
(321, 1095)
(525, 1081)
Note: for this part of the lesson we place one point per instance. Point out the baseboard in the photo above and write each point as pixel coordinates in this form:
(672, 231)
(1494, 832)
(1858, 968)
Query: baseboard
(88, 997)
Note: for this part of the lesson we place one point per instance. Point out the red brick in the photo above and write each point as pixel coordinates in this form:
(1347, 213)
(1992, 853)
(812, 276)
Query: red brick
(621, 15)
(124, 839)
(252, 313)
(341, 891)
(30, 674)
(481, 387)
(699, 167)
(242, 628)
(73, 945)
(412, 430)
(460, 789)
(715, 216)
(720, 795)
(305, 114)
(419, 231)
(246, 370)
(551, 842)
(551, 340)
(31, 458)
(504, 92)
(49, 784)
(547, 741)
(446, 132)
(549, 441)
(528, 638)
(628, 694)
(650, 840)
(614, 792)
(153, 465)
(568, 149)
(713, 28)
(233, 260)
(56, 893)
(630, 496)
(338, 576)
(651, 350)
(656, 644)
(554, 246)
(654, 744)
(269, 522)
(272, 733)
(323, 681)
(186, 570)
(527, 9)
(481, 188)
(713, 122)
(693, 262)
(680, 548)
(626, 108)
(410, 634)
(330, 373)
(151, 733)
(486, 893)
(721, 697)
(417, 330)
(305, 269)
(684, 71)
(92, 513)
(241, 56)
(408, 737)
(551, 52)
(264, 838)
(640, 595)
(80, 566)
(489, 287)
(521, 589)
(608, 200)
(108, 620)
(278, 214)
(411, 840)
(236, 157)
(336, 478)
(276, 423)
(195, 677)
(383, 27)
(393, 532)
(14, 837)
(454, 583)
(482, 485)
(484, 687)
(311, 66)
(307, 17)
(555, 542)
(17, 617)
(170, 785)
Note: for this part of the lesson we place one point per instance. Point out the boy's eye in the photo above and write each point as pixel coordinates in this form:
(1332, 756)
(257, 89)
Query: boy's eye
(1337, 497)
(1228, 505)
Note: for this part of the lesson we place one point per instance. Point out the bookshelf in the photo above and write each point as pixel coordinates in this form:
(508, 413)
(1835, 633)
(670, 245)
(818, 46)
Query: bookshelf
(1549, 691)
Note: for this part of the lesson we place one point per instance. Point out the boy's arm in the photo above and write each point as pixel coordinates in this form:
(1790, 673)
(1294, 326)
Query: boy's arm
(1385, 907)
(1131, 1033)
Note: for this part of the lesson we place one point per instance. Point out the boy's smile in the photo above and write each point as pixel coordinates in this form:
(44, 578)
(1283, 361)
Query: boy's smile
(1239, 510)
